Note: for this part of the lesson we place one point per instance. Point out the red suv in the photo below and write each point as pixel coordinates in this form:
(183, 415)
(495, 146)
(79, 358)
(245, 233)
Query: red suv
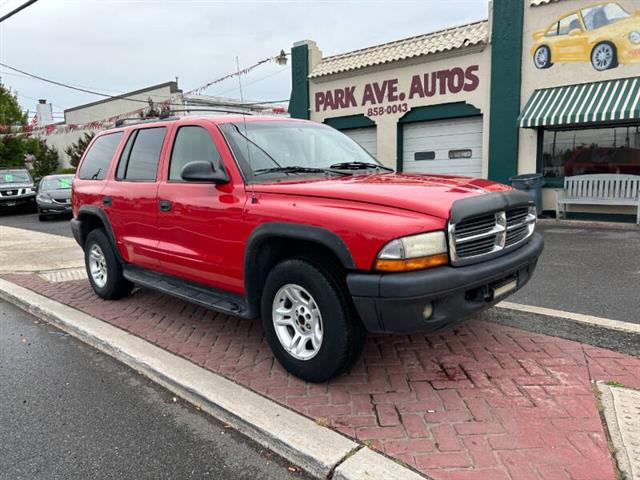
(293, 222)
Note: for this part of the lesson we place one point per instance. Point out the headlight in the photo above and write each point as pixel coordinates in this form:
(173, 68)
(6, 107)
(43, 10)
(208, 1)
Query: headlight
(634, 37)
(415, 252)
(42, 199)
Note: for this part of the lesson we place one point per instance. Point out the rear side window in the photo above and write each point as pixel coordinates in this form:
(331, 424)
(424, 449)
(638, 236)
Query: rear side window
(98, 158)
(192, 144)
(141, 155)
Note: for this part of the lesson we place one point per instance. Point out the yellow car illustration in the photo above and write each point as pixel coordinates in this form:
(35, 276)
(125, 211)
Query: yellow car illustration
(604, 34)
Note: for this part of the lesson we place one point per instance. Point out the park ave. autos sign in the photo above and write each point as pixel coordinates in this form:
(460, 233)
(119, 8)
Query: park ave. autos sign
(374, 94)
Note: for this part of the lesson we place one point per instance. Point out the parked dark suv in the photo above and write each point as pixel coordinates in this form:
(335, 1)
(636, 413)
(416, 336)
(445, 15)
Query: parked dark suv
(16, 189)
(293, 222)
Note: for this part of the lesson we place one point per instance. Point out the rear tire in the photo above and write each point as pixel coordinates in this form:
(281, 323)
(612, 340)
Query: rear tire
(103, 267)
(320, 302)
(542, 57)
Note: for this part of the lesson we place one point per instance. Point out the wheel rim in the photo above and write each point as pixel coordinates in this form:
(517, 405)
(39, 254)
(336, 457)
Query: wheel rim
(602, 57)
(297, 322)
(98, 266)
(541, 57)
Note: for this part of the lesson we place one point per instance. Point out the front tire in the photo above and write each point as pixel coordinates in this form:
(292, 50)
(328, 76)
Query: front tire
(542, 57)
(308, 321)
(604, 56)
(103, 268)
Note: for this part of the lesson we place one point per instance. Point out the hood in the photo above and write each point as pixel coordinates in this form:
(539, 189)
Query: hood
(15, 186)
(428, 194)
(61, 194)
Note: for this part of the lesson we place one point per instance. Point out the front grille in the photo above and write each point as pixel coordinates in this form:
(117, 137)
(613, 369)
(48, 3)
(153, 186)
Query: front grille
(473, 239)
(13, 192)
(61, 201)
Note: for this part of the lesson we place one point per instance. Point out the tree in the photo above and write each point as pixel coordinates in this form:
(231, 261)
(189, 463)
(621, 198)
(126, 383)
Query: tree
(10, 111)
(76, 150)
(46, 161)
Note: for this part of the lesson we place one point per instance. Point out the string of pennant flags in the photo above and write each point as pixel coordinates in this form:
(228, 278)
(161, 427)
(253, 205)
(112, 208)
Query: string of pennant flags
(34, 128)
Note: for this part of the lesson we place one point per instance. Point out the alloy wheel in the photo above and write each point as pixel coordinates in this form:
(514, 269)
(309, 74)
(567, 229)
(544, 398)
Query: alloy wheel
(602, 57)
(98, 266)
(297, 321)
(541, 57)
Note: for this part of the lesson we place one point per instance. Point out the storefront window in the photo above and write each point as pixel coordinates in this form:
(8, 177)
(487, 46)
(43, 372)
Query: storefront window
(596, 150)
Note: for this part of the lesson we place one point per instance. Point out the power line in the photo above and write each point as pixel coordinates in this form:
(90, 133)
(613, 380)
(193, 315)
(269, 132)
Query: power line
(17, 9)
(71, 87)
(124, 97)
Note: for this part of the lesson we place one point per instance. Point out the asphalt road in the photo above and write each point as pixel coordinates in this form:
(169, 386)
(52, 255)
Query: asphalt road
(590, 270)
(69, 412)
(56, 225)
(587, 269)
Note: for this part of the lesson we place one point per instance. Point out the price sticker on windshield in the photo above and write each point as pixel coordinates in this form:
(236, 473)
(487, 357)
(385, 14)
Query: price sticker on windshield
(8, 177)
(64, 183)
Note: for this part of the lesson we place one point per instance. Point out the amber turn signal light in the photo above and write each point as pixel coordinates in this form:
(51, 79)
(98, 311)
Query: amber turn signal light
(410, 264)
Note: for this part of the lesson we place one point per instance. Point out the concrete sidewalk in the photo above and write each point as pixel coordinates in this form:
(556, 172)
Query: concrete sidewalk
(29, 251)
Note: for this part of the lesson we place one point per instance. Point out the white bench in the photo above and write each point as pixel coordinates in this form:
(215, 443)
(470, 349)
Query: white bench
(599, 189)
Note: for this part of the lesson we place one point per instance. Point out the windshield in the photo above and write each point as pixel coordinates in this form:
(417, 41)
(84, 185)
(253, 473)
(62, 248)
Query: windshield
(14, 176)
(277, 145)
(56, 183)
(603, 15)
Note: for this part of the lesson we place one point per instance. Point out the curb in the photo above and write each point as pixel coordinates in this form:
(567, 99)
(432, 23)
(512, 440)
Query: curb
(318, 450)
(618, 422)
(553, 222)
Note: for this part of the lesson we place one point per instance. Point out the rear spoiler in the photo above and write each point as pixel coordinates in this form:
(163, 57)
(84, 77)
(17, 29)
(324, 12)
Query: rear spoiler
(538, 34)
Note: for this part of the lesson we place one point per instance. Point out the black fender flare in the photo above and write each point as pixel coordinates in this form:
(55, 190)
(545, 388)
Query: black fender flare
(80, 231)
(295, 231)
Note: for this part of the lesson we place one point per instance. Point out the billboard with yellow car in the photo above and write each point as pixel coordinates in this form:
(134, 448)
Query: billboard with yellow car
(605, 35)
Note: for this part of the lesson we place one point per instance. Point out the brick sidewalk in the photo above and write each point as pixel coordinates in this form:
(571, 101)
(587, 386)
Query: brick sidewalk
(482, 401)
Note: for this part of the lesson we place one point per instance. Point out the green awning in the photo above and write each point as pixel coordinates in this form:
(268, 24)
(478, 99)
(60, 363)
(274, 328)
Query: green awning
(588, 103)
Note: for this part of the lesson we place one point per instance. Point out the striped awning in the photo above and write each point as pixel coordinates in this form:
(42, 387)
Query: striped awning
(587, 103)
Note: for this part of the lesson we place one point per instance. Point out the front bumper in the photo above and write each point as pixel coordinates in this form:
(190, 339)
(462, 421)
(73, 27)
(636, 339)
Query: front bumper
(395, 302)
(54, 208)
(17, 200)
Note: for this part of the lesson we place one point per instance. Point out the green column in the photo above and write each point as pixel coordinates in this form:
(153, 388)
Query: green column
(299, 100)
(506, 81)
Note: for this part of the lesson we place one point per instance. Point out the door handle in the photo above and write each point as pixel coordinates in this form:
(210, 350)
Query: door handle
(165, 205)
(106, 201)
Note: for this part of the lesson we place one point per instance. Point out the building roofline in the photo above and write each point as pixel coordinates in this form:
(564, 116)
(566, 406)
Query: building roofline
(403, 40)
(173, 88)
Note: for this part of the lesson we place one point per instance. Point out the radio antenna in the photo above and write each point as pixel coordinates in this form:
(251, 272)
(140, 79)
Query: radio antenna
(244, 122)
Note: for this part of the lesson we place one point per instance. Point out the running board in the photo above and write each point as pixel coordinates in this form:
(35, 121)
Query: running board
(209, 297)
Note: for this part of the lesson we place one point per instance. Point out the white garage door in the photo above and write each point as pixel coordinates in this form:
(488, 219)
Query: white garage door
(366, 137)
(444, 146)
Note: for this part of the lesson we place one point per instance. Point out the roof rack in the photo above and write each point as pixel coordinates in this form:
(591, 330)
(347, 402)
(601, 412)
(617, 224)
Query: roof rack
(212, 110)
(136, 120)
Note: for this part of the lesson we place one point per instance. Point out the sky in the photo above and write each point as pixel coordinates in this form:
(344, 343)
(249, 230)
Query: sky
(115, 46)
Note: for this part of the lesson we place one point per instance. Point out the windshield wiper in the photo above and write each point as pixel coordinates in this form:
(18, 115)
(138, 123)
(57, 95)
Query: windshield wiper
(360, 166)
(296, 169)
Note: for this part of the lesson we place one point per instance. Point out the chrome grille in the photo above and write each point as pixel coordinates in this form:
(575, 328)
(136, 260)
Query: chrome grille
(475, 239)
(14, 192)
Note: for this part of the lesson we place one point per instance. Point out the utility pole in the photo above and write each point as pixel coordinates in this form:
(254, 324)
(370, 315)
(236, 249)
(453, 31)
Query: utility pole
(16, 10)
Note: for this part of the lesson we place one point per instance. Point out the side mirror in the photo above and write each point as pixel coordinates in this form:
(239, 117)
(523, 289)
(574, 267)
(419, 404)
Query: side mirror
(575, 32)
(203, 172)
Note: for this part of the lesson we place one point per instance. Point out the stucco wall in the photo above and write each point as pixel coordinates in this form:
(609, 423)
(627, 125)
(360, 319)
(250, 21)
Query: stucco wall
(561, 73)
(60, 141)
(404, 72)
